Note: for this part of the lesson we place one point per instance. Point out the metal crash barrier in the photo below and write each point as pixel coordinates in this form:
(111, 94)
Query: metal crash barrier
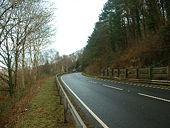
(68, 105)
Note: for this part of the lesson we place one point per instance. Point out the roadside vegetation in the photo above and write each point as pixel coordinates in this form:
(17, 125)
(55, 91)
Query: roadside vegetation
(25, 33)
(45, 110)
(13, 108)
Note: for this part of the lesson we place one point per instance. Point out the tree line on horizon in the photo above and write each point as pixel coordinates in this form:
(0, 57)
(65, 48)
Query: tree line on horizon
(129, 33)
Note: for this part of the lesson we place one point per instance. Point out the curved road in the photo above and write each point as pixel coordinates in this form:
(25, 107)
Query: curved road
(117, 105)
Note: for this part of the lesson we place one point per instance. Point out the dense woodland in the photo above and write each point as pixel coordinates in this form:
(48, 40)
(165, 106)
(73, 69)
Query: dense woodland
(129, 33)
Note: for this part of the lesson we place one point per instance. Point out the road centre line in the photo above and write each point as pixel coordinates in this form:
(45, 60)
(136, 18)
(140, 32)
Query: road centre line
(88, 109)
(154, 97)
(111, 87)
(93, 82)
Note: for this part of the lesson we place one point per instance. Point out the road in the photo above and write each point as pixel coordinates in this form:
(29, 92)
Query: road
(116, 105)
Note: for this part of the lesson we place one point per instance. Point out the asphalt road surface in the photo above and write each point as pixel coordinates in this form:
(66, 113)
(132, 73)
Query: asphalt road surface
(117, 105)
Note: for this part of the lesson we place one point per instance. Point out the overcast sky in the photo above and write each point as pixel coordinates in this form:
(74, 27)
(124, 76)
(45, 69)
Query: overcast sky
(75, 20)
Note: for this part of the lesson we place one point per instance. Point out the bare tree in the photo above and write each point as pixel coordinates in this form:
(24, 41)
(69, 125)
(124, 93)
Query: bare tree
(26, 30)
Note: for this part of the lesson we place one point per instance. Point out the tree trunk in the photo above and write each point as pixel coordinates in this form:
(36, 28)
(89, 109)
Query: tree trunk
(162, 3)
(16, 68)
(167, 6)
(23, 66)
(10, 82)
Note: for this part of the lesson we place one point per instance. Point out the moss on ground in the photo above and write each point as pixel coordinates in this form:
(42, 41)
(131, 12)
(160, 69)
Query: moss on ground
(45, 110)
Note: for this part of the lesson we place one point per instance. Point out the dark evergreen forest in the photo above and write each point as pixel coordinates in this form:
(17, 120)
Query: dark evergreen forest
(129, 33)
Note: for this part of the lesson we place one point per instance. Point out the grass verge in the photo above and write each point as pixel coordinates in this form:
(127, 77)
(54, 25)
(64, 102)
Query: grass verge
(45, 110)
(13, 108)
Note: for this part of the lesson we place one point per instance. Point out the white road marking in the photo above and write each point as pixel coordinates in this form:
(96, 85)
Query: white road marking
(93, 82)
(133, 84)
(154, 97)
(112, 87)
(88, 109)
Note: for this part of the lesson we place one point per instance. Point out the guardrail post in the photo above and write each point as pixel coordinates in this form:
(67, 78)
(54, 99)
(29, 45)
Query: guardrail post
(58, 89)
(60, 93)
(65, 110)
(168, 72)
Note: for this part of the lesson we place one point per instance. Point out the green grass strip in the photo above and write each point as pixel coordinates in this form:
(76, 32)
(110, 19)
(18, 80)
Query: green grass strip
(45, 110)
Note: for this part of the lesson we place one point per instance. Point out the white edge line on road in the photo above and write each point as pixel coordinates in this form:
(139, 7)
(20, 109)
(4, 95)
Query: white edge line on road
(112, 87)
(154, 97)
(88, 109)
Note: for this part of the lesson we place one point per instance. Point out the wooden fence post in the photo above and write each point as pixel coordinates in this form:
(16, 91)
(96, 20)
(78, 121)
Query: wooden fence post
(150, 73)
(118, 72)
(126, 73)
(168, 72)
(137, 73)
(112, 71)
(107, 71)
(102, 72)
